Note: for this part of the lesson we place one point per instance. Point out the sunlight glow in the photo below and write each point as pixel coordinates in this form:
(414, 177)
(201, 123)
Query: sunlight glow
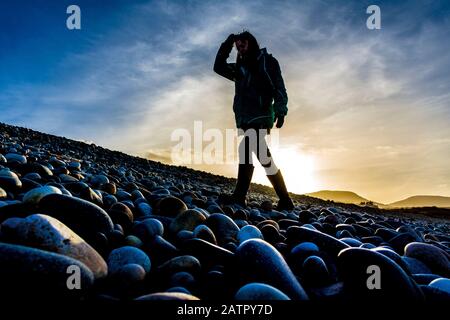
(297, 168)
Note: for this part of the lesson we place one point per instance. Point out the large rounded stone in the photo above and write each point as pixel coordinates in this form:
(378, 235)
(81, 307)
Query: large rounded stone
(352, 242)
(170, 207)
(126, 255)
(109, 187)
(33, 273)
(435, 258)
(99, 180)
(414, 265)
(148, 229)
(121, 214)
(207, 253)
(178, 289)
(424, 278)
(315, 272)
(160, 250)
(271, 234)
(122, 195)
(399, 242)
(386, 233)
(67, 178)
(9, 180)
(187, 220)
(36, 169)
(182, 279)
(74, 165)
(3, 194)
(133, 241)
(306, 216)
(304, 250)
(325, 242)
(435, 295)
(286, 223)
(35, 195)
(224, 228)
(259, 291)
(83, 217)
(441, 284)
(33, 176)
(16, 158)
(91, 195)
(354, 266)
(249, 232)
(47, 233)
(176, 296)
(143, 209)
(204, 232)
(129, 275)
(181, 263)
(258, 261)
(394, 256)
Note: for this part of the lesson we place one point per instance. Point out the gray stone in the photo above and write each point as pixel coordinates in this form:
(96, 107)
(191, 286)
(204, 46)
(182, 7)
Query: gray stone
(435, 258)
(178, 296)
(441, 284)
(127, 255)
(14, 157)
(259, 291)
(187, 220)
(353, 264)
(47, 233)
(258, 261)
(35, 195)
(34, 273)
(83, 217)
(249, 232)
(223, 227)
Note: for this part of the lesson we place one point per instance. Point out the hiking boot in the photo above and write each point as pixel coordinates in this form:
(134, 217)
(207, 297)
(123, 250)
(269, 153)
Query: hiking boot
(278, 184)
(245, 173)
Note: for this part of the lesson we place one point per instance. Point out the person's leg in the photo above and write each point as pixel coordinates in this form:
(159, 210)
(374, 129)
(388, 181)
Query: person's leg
(245, 169)
(245, 173)
(273, 173)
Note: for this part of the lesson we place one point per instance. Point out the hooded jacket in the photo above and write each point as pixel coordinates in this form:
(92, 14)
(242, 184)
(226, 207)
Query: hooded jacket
(260, 93)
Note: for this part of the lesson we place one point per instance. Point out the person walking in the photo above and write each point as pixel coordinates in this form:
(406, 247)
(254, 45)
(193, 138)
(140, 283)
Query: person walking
(260, 101)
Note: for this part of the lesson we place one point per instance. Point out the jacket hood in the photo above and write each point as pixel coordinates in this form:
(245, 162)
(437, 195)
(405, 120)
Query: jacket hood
(262, 51)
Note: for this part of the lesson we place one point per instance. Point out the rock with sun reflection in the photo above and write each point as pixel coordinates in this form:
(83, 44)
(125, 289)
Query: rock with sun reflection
(260, 262)
(47, 233)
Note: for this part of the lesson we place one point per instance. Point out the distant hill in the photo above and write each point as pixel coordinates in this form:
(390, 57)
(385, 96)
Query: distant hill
(338, 196)
(422, 201)
(411, 202)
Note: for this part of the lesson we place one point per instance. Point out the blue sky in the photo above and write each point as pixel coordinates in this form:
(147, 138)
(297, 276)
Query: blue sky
(370, 109)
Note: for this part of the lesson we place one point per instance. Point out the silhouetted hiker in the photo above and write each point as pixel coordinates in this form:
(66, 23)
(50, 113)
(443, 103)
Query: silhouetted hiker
(260, 100)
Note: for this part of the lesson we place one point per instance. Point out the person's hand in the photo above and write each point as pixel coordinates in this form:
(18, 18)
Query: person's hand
(230, 39)
(280, 121)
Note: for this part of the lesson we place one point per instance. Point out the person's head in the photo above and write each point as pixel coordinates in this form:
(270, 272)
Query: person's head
(246, 44)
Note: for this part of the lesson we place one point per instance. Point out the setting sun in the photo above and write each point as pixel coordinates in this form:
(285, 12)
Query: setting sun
(298, 170)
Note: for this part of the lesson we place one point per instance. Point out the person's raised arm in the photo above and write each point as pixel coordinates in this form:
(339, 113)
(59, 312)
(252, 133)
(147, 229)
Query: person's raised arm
(227, 70)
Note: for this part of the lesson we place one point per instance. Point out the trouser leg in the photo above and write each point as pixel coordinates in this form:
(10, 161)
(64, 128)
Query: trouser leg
(273, 174)
(245, 170)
